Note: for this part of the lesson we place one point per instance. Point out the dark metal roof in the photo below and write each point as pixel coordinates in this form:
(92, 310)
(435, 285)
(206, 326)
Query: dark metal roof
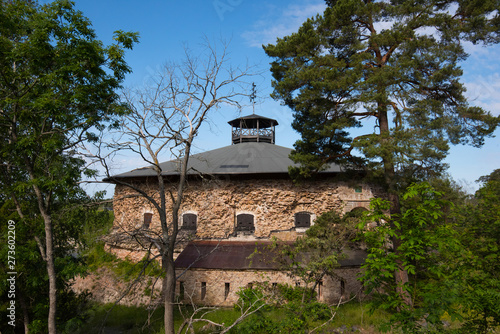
(244, 158)
(234, 255)
(250, 121)
(226, 255)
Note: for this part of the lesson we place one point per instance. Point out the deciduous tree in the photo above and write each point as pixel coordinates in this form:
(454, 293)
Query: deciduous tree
(57, 83)
(317, 254)
(73, 217)
(428, 249)
(479, 268)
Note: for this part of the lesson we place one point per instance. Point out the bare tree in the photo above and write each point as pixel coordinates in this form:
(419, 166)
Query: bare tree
(165, 118)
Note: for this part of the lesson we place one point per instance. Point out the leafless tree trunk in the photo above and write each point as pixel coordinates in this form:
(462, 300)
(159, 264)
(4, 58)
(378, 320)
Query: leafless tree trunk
(165, 118)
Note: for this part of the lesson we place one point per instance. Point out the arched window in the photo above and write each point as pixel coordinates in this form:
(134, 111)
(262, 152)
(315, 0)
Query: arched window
(245, 223)
(356, 212)
(302, 219)
(189, 221)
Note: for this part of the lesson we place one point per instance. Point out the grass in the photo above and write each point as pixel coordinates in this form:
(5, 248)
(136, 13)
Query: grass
(357, 314)
(137, 320)
(350, 318)
(123, 319)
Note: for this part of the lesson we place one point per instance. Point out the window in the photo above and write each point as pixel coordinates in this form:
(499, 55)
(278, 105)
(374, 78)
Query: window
(189, 221)
(203, 290)
(355, 214)
(250, 286)
(302, 219)
(342, 287)
(181, 290)
(245, 223)
(320, 290)
(226, 290)
(147, 220)
(358, 189)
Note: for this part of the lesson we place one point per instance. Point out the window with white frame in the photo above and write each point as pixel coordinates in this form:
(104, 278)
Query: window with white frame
(189, 221)
(302, 219)
(245, 223)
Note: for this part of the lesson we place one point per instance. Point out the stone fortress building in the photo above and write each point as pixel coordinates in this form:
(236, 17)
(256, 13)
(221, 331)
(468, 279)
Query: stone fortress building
(237, 198)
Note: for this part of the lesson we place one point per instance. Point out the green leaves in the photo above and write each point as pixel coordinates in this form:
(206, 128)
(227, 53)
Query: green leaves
(427, 247)
(318, 253)
(54, 87)
(57, 84)
(480, 265)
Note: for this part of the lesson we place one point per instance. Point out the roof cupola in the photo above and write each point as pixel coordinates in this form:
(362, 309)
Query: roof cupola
(253, 128)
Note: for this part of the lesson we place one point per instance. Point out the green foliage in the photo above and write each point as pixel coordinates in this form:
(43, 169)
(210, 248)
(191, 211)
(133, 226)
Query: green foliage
(316, 255)
(293, 294)
(97, 257)
(58, 85)
(451, 253)
(429, 245)
(257, 324)
(357, 314)
(252, 299)
(480, 264)
(72, 222)
(347, 69)
(121, 318)
(295, 315)
(274, 320)
(318, 311)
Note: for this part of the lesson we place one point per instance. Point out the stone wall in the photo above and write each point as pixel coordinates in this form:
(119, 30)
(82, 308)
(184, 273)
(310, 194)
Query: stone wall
(273, 203)
(106, 287)
(221, 286)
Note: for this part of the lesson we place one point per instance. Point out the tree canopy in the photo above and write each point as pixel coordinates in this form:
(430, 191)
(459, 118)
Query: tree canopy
(58, 82)
(480, 265)
(391, 67)
(428, 248)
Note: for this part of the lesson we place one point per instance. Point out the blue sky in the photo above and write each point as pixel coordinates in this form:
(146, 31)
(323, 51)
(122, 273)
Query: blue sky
(166, 26)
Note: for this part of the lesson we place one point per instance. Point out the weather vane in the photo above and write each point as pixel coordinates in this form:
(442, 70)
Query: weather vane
(253, 96)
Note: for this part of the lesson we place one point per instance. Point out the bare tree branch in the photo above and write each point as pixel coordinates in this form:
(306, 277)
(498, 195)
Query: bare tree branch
(164, 119)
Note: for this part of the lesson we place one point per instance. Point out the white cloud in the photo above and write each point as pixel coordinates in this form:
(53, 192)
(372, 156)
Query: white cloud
(483, 90)
(278, 22)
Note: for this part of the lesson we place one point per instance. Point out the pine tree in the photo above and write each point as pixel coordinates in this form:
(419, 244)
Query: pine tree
(390, 67)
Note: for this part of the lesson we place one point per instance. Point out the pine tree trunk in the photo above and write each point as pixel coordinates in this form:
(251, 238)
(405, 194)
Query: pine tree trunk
(401, 275)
